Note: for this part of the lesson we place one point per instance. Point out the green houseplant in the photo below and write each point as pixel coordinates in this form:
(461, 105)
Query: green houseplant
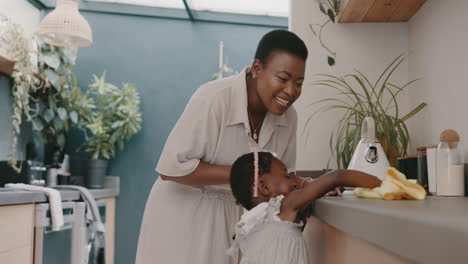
(357, 97)
(60, 104)
(115, 119)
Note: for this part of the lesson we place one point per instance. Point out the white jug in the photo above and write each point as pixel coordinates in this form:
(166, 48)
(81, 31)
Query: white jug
(369, 155)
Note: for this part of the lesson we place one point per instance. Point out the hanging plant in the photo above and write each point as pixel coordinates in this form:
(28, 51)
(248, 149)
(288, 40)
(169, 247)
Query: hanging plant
(330, 8)
(17, 45)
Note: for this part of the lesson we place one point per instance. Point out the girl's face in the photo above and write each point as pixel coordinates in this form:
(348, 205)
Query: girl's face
(277, 180)
(279, 80)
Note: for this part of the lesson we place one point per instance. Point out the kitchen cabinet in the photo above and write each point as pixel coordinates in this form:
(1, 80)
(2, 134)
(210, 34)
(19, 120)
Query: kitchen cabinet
(328, 245)
(16, 233)
(355, 11)
(17, 220)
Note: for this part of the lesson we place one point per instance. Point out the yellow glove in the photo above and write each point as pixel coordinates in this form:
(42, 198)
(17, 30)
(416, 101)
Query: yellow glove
(395, 187)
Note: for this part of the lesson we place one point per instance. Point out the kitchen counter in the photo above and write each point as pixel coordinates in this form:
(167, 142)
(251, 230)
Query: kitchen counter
(431, 231)
(13, 196)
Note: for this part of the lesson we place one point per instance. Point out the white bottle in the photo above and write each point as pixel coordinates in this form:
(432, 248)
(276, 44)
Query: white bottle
(450, 165)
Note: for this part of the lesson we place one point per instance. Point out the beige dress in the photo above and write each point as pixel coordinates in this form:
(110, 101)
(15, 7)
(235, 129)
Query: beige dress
(184, 224)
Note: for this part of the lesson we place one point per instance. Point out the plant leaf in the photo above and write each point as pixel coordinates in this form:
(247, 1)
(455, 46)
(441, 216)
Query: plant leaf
(74, 117)
(414, 111)
(37, 124)
(322, 9)
(336, 6)
(52, 60)
(70, 55)
(52, 77)
(49, 115)
(62, 113)
(331, 15)
(58, 123)
(388, 72)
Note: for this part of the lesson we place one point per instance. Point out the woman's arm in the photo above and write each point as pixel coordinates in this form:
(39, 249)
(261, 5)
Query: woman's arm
(205, 174)
(314, 189)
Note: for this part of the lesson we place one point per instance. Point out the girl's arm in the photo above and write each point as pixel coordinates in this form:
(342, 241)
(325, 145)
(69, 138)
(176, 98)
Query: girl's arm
(313, 190)
(205, 174)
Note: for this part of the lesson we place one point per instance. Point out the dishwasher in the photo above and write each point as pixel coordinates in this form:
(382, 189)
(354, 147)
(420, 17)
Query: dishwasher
(73, 242)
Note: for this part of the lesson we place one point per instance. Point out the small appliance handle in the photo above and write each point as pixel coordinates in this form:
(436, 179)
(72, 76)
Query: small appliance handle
(368, 129)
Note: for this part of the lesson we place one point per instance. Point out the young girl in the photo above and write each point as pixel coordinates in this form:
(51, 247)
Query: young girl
(270, 231)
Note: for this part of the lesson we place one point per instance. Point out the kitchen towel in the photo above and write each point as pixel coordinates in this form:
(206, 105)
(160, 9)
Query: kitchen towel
(93, 212)
(55, 201)
(394, 187)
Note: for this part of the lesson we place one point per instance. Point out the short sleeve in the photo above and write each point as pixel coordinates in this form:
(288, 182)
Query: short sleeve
(192, 139)
(289, 157)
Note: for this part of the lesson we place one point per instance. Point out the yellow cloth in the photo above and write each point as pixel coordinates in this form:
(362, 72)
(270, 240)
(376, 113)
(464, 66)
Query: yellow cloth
(394, 187)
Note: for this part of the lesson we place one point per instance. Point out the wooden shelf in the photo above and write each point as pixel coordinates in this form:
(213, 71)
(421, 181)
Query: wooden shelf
(357, 11)
(7, 68)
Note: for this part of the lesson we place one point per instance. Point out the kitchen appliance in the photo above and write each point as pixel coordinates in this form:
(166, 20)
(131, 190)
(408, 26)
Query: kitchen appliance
(73, 243)
(369, 155)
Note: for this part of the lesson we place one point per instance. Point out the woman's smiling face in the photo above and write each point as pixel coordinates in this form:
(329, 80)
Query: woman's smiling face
(279, 80)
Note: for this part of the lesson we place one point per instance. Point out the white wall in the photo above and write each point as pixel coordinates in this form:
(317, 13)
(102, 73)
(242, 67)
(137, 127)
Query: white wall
(438, 39)
(368, 47)
(23, 13)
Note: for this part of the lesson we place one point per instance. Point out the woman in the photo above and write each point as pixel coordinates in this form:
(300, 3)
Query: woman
(191, 213)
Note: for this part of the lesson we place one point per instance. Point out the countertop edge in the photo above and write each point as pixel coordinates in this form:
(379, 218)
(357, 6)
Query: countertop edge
(12, 197)
(408, 237)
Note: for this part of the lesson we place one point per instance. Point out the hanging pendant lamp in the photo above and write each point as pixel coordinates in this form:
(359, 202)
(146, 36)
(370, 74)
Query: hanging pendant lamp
(65, 26)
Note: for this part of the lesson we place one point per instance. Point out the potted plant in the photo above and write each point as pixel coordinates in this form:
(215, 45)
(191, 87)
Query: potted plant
(115, 119)
(357, 97)
(60, 104)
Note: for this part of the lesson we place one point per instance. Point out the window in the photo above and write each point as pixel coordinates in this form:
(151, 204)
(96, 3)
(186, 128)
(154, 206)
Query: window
(252, 7)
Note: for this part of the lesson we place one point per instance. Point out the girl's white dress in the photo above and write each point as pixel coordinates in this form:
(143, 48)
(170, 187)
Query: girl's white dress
(262, 237)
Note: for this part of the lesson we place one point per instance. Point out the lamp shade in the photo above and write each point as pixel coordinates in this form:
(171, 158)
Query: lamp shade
(65, 26)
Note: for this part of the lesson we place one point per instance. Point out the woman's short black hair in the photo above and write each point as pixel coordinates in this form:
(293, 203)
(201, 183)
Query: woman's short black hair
(242, 176)
(280, 40)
